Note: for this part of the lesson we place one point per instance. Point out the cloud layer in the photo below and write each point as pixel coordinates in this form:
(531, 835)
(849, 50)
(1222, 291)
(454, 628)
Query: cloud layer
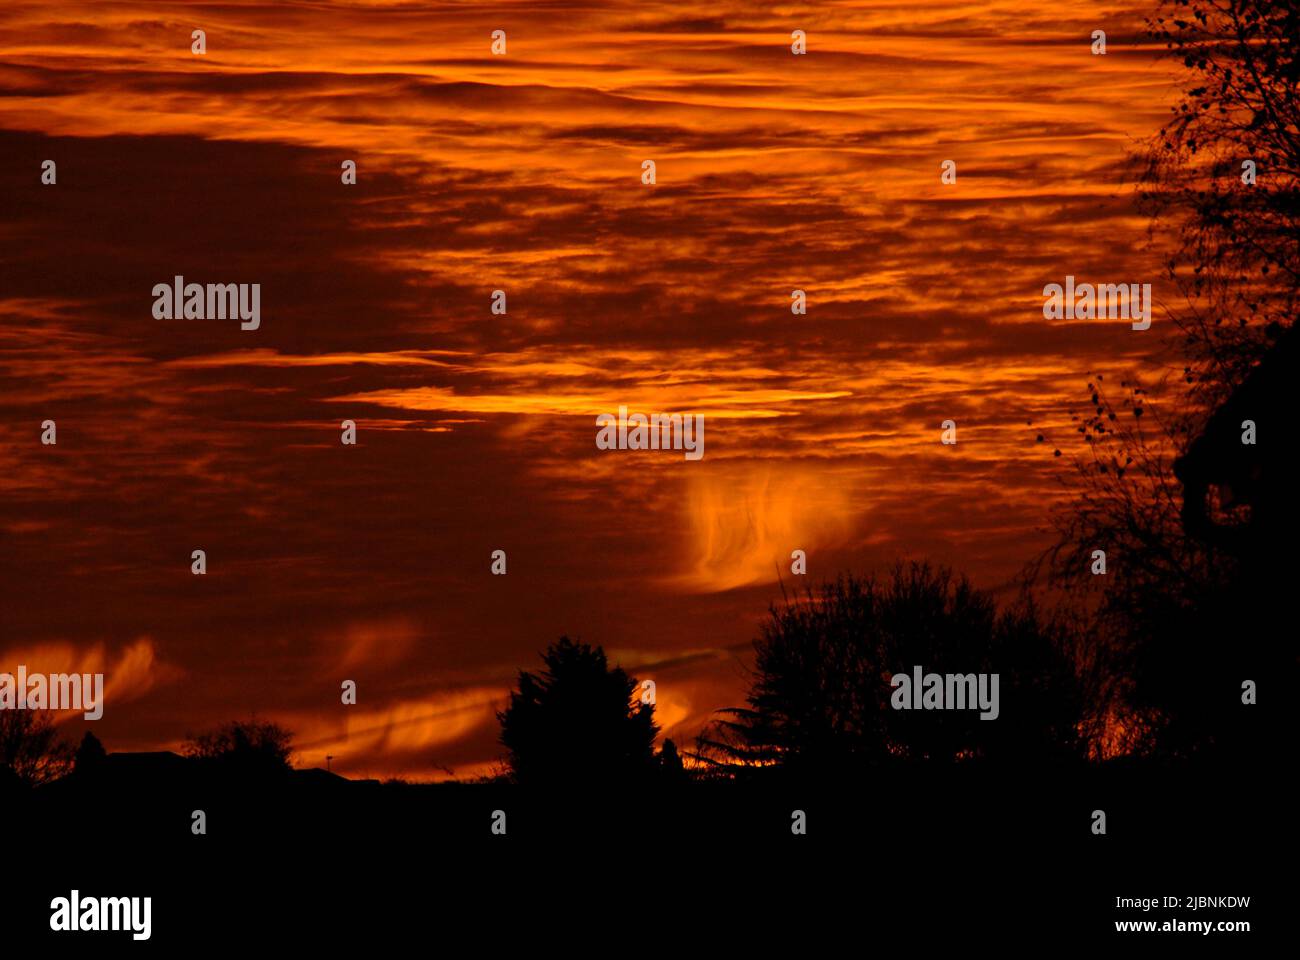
(476, 430)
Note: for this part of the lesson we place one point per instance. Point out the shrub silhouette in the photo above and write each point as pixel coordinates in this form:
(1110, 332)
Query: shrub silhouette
(244, 748)
(31, 751)
(577, 721)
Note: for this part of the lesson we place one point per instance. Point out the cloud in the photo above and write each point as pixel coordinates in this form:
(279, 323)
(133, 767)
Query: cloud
(130, 672)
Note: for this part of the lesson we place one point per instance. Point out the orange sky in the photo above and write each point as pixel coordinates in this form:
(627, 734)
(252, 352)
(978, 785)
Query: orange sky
(476, 431)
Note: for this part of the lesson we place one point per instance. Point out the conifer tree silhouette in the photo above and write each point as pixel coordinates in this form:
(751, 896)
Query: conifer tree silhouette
(577, 720)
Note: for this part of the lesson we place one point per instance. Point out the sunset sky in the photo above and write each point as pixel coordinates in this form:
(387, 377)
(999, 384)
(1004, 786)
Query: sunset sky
(476, 432)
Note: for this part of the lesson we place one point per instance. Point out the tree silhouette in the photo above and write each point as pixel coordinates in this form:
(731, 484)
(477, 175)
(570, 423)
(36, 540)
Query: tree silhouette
(90, 755)
(244, 748)
(31, 750)
(670, 763)
(820, 700)
(1181, 617)
(578, 721)
(1237, 259)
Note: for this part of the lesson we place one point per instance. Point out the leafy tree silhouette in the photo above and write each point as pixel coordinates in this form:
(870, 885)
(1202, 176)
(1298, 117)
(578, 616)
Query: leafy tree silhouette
(820, 700)
(244, 748)
(31, 751)
(578, 721)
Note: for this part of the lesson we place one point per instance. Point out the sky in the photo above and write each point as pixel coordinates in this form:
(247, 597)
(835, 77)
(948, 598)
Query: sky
(476, 430)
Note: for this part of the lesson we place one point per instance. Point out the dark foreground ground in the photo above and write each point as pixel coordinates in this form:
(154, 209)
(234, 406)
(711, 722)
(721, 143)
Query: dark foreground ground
(913, 859)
